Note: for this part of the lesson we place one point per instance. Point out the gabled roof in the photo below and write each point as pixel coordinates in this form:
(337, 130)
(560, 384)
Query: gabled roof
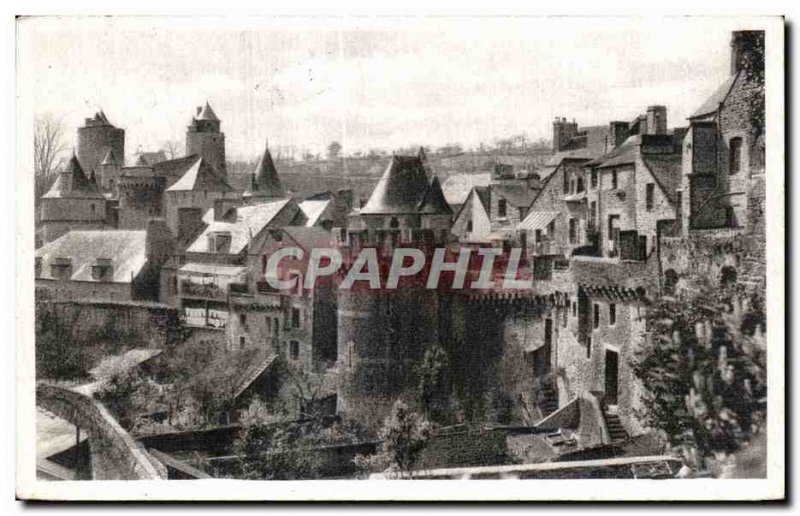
(537, 220)
(434, 202)
(200, 176)
(151, 158)
(667, 170)
(175, 168)
(249, 222)
(517, 195)
(313, 210)
(308, 237)
(713, 102)
(73, 183)
(457, 187)
(401, 189)
(125, 249)
(624, 154)
(266, 182)
(207, 114)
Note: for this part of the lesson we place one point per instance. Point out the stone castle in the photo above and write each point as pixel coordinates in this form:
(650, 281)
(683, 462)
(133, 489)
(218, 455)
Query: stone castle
(621, 213)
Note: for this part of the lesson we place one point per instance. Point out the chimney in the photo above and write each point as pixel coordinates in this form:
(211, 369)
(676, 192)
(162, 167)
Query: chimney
(618, 133)
(746, 45)
(656, 120)
(563, 132)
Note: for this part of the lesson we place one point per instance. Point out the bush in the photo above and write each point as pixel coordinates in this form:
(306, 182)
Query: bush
(705, 373)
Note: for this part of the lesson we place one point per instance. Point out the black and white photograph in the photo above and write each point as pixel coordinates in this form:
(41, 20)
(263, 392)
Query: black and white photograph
(374, 252)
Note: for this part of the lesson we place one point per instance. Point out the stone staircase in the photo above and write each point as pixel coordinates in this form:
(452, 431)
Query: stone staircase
(615, 429)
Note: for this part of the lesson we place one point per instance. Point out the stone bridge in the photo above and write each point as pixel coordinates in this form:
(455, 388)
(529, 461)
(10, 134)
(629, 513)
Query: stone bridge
(115, 455)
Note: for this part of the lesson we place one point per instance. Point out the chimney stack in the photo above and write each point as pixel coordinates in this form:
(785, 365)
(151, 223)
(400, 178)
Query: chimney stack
(656, 120)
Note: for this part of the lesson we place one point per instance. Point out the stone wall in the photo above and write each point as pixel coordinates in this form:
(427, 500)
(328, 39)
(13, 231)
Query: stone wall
(115, 455)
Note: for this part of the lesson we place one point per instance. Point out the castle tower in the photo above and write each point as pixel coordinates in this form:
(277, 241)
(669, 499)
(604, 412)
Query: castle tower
(73, 202)
(203, 137)
(95, 139)
(383, 334)
(110, 169)
(264, 182)
(563, 132)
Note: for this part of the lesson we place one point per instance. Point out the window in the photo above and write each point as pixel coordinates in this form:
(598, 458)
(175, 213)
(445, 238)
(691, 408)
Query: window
(92, 209)
(650, 190)
(276, 327)
(469, 226)
(573, 231)
(295, 317)
(596, 321)
(594, 178)
(502, 207)
(580, 184)
(612, 314)
(394, 223)
(574, 309)
(566, 182)
(294, 349)
(614, 180)
(593, 213)
(564, 314)
(588, 347)
(242, 319)
(241, 342)
(735, 155)
(264, 264)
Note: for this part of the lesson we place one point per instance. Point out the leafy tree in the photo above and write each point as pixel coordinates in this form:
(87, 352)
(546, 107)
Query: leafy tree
(404, 436)
(334, 149)
(432, 383)
(59, 355)
(705, 372)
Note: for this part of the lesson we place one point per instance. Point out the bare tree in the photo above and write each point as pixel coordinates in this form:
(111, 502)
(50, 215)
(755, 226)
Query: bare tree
(48, 145)
(172, 148)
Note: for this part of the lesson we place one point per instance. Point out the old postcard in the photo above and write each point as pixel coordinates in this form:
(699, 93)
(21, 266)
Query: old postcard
(365, 254)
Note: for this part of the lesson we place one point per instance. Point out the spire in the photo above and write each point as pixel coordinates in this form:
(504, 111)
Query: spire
(207, 114)
(73, 182)
(265, 180)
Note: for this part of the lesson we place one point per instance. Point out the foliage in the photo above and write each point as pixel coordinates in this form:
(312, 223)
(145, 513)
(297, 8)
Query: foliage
(705, 372)
(334, 149)
(272, 446)
(404, 436)
(48, 145)
(58, 355)
(752, 46)
(432, 382)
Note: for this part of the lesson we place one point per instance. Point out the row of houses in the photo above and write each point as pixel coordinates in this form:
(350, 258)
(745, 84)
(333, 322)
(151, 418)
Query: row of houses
(620, 214)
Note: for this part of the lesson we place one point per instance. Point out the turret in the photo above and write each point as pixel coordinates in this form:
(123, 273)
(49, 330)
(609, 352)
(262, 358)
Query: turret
(204, 138)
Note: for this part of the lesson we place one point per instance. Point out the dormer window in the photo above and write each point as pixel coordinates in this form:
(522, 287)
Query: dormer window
(102, 270)
(219, 242)
(61, 268)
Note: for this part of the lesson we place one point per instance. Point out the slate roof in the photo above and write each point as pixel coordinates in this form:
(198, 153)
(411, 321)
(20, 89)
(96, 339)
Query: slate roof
(200, 176)
(457, 187)
(403, 188)
(434, 202)
(537, 220)
(249, 221)
(207, 114)
(713, 102)
(313, 210)
(308, 237)
(111, 158)
(667, 170)
(175, 168)
(624, 154)
(125, 249)
(519, 196)
(266, 182)
(73, 183)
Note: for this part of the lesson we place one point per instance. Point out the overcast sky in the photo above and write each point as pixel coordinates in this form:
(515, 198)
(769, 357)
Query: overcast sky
(366, 83)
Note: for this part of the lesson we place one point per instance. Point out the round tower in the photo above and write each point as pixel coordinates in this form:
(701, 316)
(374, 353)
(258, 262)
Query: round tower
(204, 138)
(95, 139)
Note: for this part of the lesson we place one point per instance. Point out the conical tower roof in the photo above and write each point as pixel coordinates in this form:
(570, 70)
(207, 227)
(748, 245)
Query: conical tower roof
(266, 182)
(73, 182)
(207, 114)
(401, 188)
(434, 202)
(110, 159)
